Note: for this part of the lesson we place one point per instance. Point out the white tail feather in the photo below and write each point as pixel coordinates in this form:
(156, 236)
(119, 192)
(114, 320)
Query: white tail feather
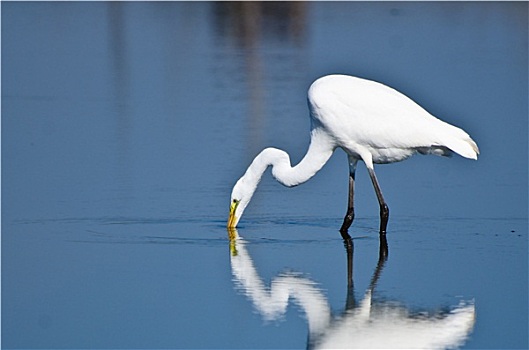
(465, 147)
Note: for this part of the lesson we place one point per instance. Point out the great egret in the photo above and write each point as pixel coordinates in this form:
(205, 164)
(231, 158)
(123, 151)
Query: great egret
(370, 122)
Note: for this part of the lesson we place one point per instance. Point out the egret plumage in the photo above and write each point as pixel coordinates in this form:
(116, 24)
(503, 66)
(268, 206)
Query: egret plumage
(371, 122)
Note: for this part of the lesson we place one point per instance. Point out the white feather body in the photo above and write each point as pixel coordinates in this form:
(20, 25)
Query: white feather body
(369, 118)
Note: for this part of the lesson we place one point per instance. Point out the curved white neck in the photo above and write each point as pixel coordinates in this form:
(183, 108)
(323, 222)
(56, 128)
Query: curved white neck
(320, 150)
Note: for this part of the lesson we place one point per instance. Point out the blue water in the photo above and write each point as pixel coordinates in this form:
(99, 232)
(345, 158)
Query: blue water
(125, 125)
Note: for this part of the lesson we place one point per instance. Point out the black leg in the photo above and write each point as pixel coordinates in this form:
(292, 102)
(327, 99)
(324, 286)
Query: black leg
(350, 215)
(384, 210)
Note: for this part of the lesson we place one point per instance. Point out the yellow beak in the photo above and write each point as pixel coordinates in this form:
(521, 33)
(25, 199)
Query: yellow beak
(232, 219)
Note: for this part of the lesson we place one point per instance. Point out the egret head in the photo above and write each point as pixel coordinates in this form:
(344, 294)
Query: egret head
(240, 197)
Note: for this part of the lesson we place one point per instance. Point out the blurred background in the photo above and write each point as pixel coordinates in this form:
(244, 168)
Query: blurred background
(153, 94)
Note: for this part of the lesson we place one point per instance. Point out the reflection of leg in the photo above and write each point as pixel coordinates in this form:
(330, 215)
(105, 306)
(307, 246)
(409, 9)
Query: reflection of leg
(384, 210)
(382, 258)
(350, 215)
(383, 248)
(349, 248)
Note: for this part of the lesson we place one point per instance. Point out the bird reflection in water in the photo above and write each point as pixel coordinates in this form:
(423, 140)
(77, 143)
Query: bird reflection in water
(367, 323)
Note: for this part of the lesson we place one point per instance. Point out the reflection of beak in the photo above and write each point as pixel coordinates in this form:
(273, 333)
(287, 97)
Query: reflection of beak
(232, 220)
(233, 236)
